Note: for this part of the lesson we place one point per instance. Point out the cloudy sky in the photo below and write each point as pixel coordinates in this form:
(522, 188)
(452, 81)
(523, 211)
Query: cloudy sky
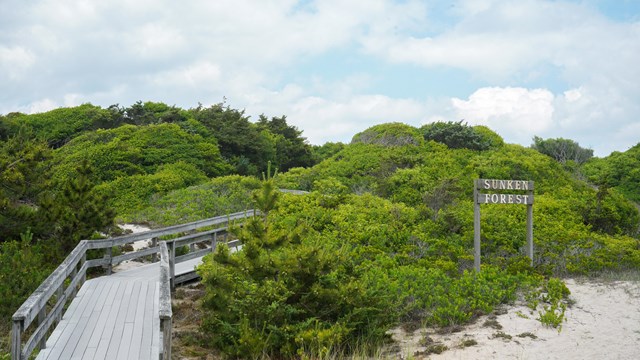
(336, 67)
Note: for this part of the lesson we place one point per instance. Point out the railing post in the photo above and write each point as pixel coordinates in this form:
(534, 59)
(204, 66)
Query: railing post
(154, 243)
(226, 233)
(59, 292)
(166, 325)
(108, 256)
(172, 264)
(16, 341)
(83, 260)
(42, 315)
(214, 241)
(73, 274)
(164, 306)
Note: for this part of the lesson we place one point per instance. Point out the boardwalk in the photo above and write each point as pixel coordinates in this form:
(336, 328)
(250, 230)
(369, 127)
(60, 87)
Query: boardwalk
(124, 315)
(113, 317)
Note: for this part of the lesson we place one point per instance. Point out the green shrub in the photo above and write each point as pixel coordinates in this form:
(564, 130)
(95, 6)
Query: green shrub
(619, 170)
(219, 196)
(137, 150)
(391, 134)
(283, 295)
(131, 194)
(457, 135)
(23, 267)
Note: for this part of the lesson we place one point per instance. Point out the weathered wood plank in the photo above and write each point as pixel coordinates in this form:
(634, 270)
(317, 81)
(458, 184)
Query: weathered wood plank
(116, 336)
(68, 339)
(90, 354)
(125, 344)
(134, 255)
(16, 341)
(155, 339)
(164, 311)
(198, 237)
(91, 330)
(133, 303)
(109, 328)
(32, 306)
(118, 305)
(121, 240)
(147, 322)
(165, 288)
(181, 279)
(137, 323)
(192, 255)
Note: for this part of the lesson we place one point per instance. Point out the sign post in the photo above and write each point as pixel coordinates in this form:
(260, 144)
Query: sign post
(524, 197)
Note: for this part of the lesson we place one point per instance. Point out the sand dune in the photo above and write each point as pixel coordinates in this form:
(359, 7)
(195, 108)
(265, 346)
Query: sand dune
(603, 323)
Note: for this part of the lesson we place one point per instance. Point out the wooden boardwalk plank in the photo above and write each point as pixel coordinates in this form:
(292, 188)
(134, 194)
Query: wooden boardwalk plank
(97, 303)
(138, 322)
(113, 317)
(60, 329)
(147, 325)
(83, 320)
(116, 336)
(71, 318)
(125, 343)
(155, 339)
(107, 332)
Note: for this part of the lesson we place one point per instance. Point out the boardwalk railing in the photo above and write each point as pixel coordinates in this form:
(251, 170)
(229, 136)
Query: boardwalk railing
(48, 302)
(164, 306)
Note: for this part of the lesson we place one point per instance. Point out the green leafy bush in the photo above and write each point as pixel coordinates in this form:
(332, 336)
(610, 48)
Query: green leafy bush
(219, 196)
(330, 269)
(23, 267)
(131, 194)
(620, 170)
(457, 135)
(59, 126)
(285, 295)
(562, 150)
(137, 150)
(390, 134)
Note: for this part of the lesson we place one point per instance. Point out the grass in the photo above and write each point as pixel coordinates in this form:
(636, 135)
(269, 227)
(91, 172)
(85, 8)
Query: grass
(502, 335)
(492, 323)
(468, 342)
(610, 276)
(527, 334)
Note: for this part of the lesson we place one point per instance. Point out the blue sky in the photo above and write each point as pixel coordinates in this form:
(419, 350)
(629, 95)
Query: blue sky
(336, 67)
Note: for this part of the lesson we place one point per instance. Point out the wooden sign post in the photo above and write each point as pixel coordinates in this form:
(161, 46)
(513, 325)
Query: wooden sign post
(523, 197)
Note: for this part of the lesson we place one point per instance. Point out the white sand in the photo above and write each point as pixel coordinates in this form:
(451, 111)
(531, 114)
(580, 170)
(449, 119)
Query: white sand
(137, 245)
(604, 323)
(141, 244)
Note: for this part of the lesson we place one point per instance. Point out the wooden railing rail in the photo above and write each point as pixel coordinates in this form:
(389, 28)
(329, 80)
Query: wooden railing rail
(164, 306)
(61, 286)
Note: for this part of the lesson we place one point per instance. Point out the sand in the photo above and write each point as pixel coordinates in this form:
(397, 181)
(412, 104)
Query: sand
(603, 323)
(138, 245)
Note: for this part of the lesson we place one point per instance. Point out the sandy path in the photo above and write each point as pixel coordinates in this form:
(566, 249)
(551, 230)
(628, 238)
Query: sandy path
(604, 323)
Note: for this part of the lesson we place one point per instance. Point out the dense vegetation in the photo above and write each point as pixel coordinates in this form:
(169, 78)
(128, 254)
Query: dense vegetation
(70, 173)
(384, 237)
(565, 151)
(620, 170)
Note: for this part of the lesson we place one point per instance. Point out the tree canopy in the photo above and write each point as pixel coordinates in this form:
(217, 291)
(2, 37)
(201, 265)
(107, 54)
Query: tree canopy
(563, 150)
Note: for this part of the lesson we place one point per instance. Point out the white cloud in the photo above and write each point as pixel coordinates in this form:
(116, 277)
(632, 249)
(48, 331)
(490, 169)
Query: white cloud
(40, 106)
(338, 119)
(155, 40)
(14, 62)
(547, 68)
(198, 74)
(516, 113)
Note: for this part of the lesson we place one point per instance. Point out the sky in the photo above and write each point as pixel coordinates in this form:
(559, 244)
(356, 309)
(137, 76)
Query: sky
(524, 68)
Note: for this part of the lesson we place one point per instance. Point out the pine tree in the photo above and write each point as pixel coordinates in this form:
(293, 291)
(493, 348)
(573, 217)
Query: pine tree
(77, 212)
